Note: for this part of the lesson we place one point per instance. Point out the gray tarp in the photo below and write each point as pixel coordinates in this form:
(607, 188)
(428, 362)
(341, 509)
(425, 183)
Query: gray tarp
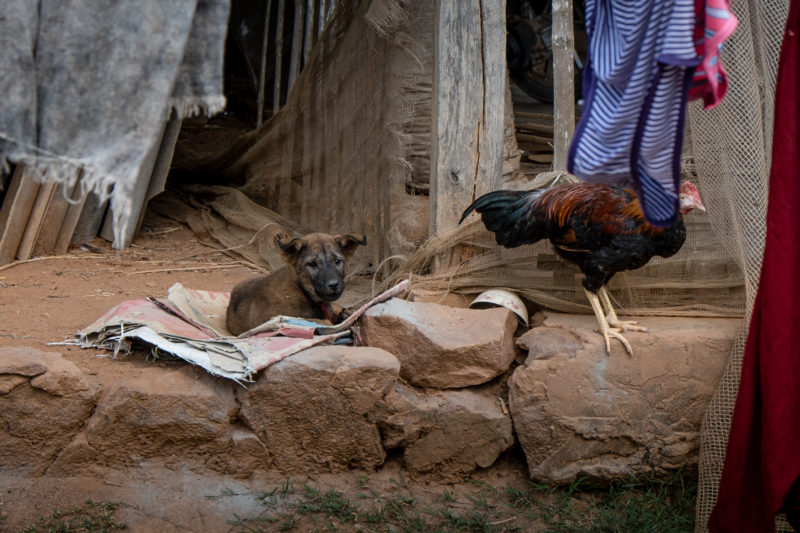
(88, 84)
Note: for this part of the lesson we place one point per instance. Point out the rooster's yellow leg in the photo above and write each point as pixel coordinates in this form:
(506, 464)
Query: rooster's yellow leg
(604, 329)
(611, 317)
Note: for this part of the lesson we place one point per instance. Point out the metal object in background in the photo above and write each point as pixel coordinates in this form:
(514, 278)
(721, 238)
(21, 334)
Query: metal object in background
(530, 46)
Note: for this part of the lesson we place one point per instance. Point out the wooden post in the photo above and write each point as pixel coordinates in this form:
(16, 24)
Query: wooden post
(321, 17)
(563, 82)
(276, 93)
(15, 211)
(262, 74)
(468, 102)
(54, 219)
(88, 219)
(74, 213)
(297, 43)
(33, 226)
(310, 36)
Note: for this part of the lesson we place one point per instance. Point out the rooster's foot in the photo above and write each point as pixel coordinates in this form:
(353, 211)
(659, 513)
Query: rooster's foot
(611, 318)
(605, 329)
(624, 325)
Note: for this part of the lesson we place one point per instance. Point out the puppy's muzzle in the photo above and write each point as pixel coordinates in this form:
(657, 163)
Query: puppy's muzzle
(329, 289)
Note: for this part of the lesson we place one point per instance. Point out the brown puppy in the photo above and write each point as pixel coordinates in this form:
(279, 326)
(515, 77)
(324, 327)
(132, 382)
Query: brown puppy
(304, 288)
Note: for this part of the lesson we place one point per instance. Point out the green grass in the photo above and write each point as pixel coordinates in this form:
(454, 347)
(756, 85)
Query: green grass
(640, 504)
(91, 517)
(643, 504)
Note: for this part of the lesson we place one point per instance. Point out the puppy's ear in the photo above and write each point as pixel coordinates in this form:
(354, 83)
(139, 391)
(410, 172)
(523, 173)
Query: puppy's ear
(291, 248)
(347, 243)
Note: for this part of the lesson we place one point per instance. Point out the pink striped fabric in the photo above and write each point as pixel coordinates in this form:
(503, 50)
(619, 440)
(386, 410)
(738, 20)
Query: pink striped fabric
(714, 23)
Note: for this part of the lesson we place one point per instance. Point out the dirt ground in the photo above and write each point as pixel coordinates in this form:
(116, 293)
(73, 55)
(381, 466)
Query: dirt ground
(49, 299)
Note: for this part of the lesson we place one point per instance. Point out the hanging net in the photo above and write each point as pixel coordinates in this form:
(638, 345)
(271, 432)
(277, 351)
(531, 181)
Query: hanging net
(350, 152)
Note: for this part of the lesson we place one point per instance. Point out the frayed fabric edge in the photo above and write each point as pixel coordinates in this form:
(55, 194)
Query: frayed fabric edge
(47, 168)
(192, 106)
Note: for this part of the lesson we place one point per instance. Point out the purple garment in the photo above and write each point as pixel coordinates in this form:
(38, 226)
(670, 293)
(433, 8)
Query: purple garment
(641, 60)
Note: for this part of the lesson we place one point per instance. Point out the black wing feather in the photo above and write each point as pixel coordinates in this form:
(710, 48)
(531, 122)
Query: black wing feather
(513, 216)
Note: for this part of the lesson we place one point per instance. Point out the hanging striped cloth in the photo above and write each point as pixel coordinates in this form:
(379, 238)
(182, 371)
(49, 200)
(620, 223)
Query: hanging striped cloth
(642, 58)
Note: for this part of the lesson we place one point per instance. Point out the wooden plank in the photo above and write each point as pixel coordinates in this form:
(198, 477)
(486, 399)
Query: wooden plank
(468, 105)
(297, 43)
(532, 115)
(563, 81)
(535, 139)
(14, 214)
(322, 17)
(539, 127)
(540, 158)
(14, 184)
(276, 88)
(310, 34)
(536, 148)
(69, 220)
(53, 220)
(90, 213)
(75, 213)
(262, 74)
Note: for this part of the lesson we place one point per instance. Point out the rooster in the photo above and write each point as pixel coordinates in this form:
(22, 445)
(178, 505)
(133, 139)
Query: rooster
(598, 227)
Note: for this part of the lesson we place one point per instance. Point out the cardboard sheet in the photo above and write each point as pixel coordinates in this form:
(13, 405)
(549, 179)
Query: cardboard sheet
(190, 324)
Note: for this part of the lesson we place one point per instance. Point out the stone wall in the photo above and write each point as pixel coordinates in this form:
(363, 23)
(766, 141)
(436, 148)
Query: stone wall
(448, 389)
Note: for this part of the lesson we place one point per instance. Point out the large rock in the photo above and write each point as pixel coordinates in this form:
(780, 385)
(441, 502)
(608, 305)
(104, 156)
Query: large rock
(579, 411)
(44, 402)
(312, 409)
(442, 347)
(445, 434)
(248, 454)
(176, 415)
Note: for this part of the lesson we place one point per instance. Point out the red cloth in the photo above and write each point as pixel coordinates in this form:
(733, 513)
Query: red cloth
(763, 454)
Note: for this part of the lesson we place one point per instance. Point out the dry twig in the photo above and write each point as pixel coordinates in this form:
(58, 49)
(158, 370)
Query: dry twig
(22, 262)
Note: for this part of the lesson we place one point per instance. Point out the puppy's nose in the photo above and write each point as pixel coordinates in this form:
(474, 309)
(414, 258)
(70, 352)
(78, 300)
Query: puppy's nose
(334, 285)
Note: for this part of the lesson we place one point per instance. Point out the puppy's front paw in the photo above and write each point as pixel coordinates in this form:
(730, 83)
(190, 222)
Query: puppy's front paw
(279, 237)
(346, 313)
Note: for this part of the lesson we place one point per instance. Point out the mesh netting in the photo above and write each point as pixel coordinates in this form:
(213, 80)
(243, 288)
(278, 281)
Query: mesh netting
(339, 155)
(354, 137)
(317, 160)
(699, 280)
(355, 134)
(732, 147)
(350, 151)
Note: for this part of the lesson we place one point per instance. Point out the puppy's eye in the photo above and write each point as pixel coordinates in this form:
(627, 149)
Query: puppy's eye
(337, 261)
(312, 264)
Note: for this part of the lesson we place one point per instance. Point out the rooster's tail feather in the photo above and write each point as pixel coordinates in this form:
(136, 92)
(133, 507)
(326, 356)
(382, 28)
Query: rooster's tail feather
(510, 215)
